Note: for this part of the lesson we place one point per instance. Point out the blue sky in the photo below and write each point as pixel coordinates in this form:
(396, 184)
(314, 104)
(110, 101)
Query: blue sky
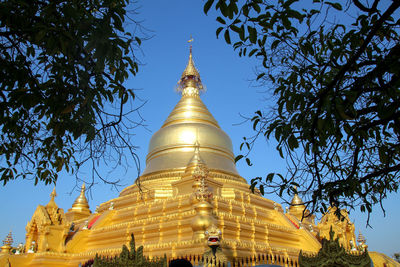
(230, 93)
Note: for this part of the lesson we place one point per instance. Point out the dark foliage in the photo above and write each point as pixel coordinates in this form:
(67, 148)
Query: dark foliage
(333, 69)
(63, 103)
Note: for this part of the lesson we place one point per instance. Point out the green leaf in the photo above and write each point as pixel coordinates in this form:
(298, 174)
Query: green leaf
(275, 44)
(362, 208)
(238, 157)
(261, 187)
(336, 5)
(252, 52)
(248, 162)
(295, 14)
(235, 28)
(280, 151)
(252, 34)
(292, 142)
(207, 6)
(256, 7)
(286, 22)
(227, 37)
(269, 177)
(383, 155)
(219, 30)
(252, 186)
(259, 76)
(221, 20)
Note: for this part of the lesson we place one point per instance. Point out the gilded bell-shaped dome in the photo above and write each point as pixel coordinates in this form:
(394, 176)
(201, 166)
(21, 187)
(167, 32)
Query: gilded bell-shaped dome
(190, 122)
(81, 204)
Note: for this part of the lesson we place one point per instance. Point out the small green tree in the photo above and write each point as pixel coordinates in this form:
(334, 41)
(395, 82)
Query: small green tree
(130, 258)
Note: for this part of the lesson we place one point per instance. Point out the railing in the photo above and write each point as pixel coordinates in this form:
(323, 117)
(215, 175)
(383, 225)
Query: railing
(260, 259)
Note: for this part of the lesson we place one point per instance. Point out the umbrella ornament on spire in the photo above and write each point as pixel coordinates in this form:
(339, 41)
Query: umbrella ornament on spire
(190, 83)
(8, 240)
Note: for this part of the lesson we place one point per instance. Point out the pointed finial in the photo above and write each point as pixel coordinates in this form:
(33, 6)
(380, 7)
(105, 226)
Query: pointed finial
(196, 147)
(53, 193)
(52, 203)
(190, 83)
(196, 159)
(190, 41)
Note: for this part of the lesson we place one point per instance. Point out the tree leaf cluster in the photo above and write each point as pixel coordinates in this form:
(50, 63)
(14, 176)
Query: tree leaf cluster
(336, 86)
(63, 65)
(130, 258)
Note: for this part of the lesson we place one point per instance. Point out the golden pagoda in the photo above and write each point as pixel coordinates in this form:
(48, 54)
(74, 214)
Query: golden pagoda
(189, 196)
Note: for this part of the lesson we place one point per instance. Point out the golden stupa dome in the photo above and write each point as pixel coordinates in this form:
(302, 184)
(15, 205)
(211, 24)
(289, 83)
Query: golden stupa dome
(190, 122)
(296, 201)
(81, 204)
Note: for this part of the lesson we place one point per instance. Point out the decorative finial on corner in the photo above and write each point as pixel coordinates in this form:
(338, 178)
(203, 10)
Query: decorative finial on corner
(53, 193)
(196, 144)
(196, 157)
(52, 203)
(83, 187)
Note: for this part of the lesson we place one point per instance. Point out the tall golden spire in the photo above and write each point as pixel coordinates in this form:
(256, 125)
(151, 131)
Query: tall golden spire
(81, 203)
(171, 147)
(190, 83)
